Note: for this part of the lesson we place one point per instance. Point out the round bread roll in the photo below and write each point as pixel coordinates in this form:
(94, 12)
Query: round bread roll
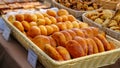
(39, 15)
(59, 19)
(83, 25)
(40, 22)
(52, 52)
(33, 24)
(43, 30)
(78, 32)
(99, 44)
(11, 18)
(63, 52)
(51, 12)
(62, 12)
(40, 41)
(30, 17)
(55, 28)
(95, 30)
(52, 42)
(75, 49)
(19, 17)
(45, 15)
(49, 29)
(90, 46)
(72, 33)
(64, 18)
(47, 21)
(26, 25)
(59, 38)
(83, 43)
(54, 21)
(69, 25)
(34, 31)
(18, 25)
(75, 24)
(67, 35)
(62, 26)
(95, 48)
(105, 42)
(71, 18)
(89, 32)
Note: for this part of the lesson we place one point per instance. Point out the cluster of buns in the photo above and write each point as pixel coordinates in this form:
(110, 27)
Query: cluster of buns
(100, 16)
(73, 43)
(78, 5)
(61, 35)
(45, 23)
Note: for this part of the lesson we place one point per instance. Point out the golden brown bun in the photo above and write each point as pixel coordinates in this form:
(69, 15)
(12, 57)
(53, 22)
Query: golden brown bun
(30, 17)
(71, 18)
(19, 17)
(61, 25)
(69, 25)
(83, 25)
(34, 31)
(11, 18)
(72, 33)
(67, 35)
(99, 44)
(43, 30)
(59, 19)
(90, 46)
(63, 52)
(47, 21)
(75, 49)
(95, 48)
(89, 32)
(26, 25)
(49, 29)
(52, 52)
(95, 31)
(40, 41)
(18, 25)
(62, 12)
(52, 42)
(39, 15)
(33, 24)
(40, 22)
(59, 38)
(45, 15)
(64, 18)
(75, 24)
(78, 32)
(55, 28)
(53, 19)
(105, 42)
(51, 12)
(82, 42)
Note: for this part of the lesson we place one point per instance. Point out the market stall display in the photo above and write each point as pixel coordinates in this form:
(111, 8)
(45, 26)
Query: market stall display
(29, 31)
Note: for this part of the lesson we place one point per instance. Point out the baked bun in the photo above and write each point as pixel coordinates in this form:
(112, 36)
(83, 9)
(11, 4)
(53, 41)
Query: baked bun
(61, 25)
(72, 33)
(105, 42)
(33, 24)
(53, 19)
(55, 28)
(62, 12)
(59, 19)
(51, 12)
(78, 32)
(47, 21)
(69, 25)
(30, 17)
(82, 42)
(43, 30)
(49, 29)
(26, 25)
(40, 41)
(63, 52)
(40, 22)
(11, 18)
(67, 35)
(95, 31)
(18, 25)
(64, 18)
(52, 42)
(71, 18)
(39, 15)
(19, 17)
(52, 52)
(83, 25)
(99, 44)
(59, 38)
(89, 32)
(75, 49)
(75, 24)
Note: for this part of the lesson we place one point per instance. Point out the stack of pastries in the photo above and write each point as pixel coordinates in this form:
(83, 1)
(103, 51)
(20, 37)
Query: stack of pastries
(61, 35)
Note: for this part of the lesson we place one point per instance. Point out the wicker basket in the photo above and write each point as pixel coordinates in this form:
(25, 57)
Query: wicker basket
(90, 61)
(71, 11)
(108, 31)
(108, 4)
